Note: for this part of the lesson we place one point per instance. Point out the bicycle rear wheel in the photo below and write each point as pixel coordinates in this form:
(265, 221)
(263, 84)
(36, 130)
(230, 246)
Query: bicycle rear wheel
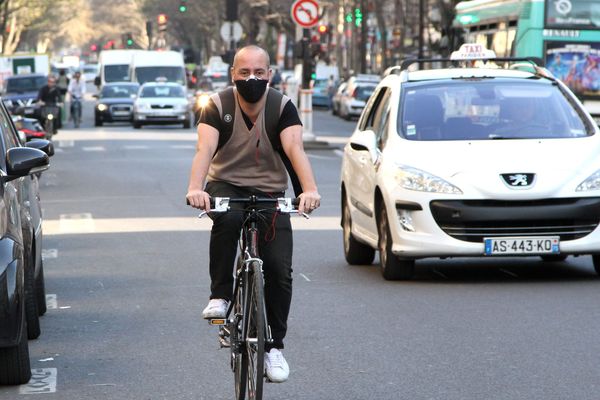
(256, 333)
(239, 363)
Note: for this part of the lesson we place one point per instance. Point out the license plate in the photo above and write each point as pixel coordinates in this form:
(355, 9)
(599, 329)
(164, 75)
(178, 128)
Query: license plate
(521, 245)
(28, 110)
(121, 113)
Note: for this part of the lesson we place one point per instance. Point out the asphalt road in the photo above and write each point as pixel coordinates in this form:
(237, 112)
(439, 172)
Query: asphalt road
(127, 278)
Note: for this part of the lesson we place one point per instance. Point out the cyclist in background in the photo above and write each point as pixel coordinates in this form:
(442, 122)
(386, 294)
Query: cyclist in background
(247, 164)
(76, 91)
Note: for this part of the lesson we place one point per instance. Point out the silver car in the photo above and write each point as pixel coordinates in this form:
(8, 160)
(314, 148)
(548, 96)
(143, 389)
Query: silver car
(161, 103)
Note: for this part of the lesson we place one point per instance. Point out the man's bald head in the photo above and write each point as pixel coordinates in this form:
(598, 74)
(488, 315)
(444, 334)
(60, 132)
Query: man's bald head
(251, 51)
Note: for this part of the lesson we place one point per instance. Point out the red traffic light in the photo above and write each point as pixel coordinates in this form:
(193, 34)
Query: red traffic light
(162, 19)
(322, 28)
(93, 47)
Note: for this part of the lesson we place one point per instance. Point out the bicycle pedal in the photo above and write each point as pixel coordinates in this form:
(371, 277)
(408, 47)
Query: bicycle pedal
(224, 343)
(217, 321)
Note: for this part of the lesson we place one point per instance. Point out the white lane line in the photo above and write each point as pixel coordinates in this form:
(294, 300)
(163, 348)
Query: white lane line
(51, 302)
(58, 150)
(183, 146)
(507, 272)
(305, 277)
(49, 253)
(334, 139)
(310, 155)
(43, 380)
(136, 147)
(93, 148)
(68, 224)
(81, 223)
(105, 134)
(65, 143)
(339, 152)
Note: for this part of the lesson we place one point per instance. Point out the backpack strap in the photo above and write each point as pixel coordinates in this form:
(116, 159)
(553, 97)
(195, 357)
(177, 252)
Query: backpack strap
(225, 102)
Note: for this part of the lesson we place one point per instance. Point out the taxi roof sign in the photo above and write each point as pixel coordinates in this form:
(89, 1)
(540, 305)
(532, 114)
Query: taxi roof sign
(472, 51)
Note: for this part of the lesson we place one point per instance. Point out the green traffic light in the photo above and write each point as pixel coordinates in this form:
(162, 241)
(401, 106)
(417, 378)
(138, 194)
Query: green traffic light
(129, 42)
(349, 17)
(182, 8)
(313, 76)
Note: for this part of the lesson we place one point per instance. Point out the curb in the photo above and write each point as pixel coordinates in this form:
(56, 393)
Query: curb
(318, 145)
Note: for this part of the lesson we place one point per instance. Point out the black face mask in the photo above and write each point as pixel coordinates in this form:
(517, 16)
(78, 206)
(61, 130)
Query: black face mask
(252, 89)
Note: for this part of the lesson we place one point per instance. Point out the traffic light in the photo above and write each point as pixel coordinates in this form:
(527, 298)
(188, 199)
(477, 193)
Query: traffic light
(323, 33)
(128, 39)
(162, 22)
(93, 47)
(183, 6)
(358, 16)
(349, 17)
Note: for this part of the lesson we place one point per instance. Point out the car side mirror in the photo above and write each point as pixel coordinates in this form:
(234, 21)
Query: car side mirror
(23, 161)
(42, 144)
(97, 81)
(365, 141)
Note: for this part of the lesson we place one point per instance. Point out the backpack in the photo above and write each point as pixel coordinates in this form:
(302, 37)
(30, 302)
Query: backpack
(273, 108)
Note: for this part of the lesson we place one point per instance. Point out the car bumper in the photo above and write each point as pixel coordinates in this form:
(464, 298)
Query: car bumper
(115, 114)
(173, 117)
(451, 228)
(321, 101)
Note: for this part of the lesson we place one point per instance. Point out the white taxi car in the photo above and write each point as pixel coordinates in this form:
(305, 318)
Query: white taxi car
(161, 103)
(472, 161)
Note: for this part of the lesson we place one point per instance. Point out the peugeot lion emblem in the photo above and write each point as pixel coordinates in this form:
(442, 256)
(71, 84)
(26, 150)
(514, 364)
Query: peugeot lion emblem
(518, 180)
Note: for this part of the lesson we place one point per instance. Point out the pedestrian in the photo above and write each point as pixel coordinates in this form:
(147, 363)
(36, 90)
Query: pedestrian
(246, 164)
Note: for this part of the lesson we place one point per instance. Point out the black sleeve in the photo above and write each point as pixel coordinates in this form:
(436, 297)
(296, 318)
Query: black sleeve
(210, 115)
(289, 117)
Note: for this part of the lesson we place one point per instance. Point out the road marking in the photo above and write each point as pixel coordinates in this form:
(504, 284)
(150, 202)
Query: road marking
(136, 147)
(183, 146)
(58, 150)
(49, 253)
(305, 277)
(509, 273)
(310, 155)
(334, 139)
(51, 302)
(93, 148)
(43, 380)
(339, 152)
(80, 223)
(83, 223)
(119, 134)
(65, 143)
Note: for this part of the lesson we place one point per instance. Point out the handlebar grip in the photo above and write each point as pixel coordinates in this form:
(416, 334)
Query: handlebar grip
(296, 201)
(212, 202)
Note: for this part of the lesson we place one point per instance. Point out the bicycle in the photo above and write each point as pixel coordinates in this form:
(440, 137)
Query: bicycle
(76, 110)
(245, 329)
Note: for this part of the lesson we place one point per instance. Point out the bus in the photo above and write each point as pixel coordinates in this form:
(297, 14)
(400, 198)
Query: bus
(565, 34)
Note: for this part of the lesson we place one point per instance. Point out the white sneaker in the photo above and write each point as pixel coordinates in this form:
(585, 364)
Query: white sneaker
(277, 368)
(216, 308)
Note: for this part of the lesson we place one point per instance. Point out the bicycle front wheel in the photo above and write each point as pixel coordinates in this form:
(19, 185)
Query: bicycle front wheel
(254, 354)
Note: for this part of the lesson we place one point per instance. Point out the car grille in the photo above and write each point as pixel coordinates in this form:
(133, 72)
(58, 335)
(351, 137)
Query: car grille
(161, 106)
(121, 108)
(473, 220)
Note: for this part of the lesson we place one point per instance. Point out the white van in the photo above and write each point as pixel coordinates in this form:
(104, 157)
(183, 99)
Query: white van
(166, 66)
(115, 65)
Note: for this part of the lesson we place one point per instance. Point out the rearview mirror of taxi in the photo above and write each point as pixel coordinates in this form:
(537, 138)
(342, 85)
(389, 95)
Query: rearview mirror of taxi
(365, 141)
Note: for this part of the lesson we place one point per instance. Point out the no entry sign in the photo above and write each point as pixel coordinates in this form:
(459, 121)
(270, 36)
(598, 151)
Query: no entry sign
(305, 13)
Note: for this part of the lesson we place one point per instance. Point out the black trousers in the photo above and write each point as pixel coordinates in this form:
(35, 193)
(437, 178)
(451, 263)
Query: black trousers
(275, 250)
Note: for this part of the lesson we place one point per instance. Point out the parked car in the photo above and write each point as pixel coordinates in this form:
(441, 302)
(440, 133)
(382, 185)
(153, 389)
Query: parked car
(161, 103)
(20, 93)
(22, 288)
(320, 93)
(337, 98)
(354, 98)
(31, 127)
(115, 102)
(466, 162)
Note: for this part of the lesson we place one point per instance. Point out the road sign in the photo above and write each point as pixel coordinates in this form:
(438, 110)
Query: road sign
(305, 13)
(231, 31)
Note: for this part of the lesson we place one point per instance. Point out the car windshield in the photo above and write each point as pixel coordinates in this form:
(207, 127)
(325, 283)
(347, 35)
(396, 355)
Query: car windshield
(166, 74)
(363, 92)
(116, 73)
(25, 84)
(118, 91)
(494, 109)
(162, 91)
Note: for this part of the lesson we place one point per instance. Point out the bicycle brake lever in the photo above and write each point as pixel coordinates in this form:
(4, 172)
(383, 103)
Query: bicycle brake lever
(202, 214)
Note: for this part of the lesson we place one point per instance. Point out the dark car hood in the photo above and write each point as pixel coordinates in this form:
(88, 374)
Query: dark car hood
(116, 100)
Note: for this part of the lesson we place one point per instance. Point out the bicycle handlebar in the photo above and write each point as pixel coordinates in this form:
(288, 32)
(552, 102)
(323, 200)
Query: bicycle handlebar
(285, 205)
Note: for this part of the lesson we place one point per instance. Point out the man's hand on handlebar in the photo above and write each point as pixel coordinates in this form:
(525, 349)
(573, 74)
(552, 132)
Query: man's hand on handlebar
(198, 199)
(309, 201)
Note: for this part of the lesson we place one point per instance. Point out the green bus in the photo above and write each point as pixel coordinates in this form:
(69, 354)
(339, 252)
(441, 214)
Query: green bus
(564, 33)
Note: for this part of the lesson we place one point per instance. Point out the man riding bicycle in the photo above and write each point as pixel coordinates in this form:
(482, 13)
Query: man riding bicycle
(235, 155)
(76, 91)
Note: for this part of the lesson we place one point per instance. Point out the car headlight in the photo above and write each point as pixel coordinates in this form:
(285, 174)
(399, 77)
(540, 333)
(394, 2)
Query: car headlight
(141, 106)
(421, 181)
(102, 107)
(202, 101)
(591, 183)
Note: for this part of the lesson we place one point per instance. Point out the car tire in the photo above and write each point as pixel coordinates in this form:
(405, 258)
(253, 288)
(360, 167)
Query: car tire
(356, 253)
(136, 125)
(333, 111)
(40, 290)
(31, 304)
(596, 260)
(187, 124)
(97, 122)
(15, 368)
(392, 267)
(554, 257)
